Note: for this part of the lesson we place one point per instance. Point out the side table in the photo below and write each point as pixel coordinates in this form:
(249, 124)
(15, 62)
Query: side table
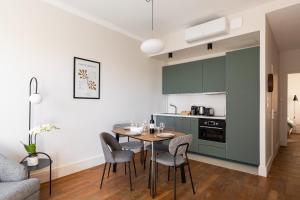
(43, 163)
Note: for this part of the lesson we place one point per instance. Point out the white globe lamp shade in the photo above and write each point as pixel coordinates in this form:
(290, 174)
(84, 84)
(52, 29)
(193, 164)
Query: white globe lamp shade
(152, 46)
(35, 98)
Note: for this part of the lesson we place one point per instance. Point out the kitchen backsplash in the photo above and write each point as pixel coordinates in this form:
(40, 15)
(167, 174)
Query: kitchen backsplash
(185, 101)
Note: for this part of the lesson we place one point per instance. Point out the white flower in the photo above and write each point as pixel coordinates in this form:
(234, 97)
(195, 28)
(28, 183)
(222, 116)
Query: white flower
(42, 129)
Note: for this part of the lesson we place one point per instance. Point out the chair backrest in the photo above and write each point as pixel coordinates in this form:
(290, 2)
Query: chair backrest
(109, 144)
(178, 143)
(122, 125)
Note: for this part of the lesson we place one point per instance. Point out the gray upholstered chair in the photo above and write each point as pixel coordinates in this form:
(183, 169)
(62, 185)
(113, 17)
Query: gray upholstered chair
(113, 153)
(14, 184)
(176, 157)
(131, 145)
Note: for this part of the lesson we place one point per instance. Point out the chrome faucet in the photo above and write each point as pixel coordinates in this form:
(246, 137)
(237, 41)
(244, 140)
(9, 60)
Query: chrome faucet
(172, 105)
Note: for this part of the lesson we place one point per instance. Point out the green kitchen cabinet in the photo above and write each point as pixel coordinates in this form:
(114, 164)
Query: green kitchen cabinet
(194, 130)
(182, 78)
(212, 151)
(167, 120)
(183, 124)
(214, 74)
(242, 105)
(195, 77)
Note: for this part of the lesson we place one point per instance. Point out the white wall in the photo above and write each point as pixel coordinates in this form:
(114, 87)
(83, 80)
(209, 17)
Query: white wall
(185, 101)
(272, 116)
(294, 106)
(40, 40)
(289, 63)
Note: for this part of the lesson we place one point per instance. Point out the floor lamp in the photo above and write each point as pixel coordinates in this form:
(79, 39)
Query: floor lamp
(34, 98)
(294, 100)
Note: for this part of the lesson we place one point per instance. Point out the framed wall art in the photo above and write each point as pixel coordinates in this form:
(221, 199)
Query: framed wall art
(86, 79)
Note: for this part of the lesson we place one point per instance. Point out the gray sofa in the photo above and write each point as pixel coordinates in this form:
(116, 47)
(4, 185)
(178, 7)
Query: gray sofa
(14, 184)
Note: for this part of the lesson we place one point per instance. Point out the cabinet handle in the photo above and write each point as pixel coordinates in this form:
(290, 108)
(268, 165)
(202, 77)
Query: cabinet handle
(227, 91)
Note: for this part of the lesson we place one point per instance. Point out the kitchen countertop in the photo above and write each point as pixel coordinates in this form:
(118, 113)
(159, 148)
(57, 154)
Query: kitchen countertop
(190, 116)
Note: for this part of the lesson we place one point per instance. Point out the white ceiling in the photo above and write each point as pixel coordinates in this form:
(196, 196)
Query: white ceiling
(133, 17)
(219, 47)
(285, 25)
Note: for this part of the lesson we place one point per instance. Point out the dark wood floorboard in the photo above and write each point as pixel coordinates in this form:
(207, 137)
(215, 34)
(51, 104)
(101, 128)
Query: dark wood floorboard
(211, 182)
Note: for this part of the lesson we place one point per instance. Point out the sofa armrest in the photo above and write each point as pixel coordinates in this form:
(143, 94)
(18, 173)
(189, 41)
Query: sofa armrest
(11, 170)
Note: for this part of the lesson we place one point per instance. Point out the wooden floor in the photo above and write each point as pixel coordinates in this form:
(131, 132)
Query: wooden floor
(211, 182)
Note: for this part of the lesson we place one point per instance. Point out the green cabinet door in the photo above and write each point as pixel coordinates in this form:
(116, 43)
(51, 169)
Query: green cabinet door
(182, 78)
(242, 106)
(194, 129)
(167, 120)
(183, 124)
(214, 74)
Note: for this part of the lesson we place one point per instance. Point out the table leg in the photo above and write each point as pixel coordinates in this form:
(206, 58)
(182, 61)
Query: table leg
(183, 179)
(152, 171)
(50, 190)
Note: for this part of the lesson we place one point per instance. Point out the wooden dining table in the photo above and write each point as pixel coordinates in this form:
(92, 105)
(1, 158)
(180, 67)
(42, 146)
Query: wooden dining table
(152, 138)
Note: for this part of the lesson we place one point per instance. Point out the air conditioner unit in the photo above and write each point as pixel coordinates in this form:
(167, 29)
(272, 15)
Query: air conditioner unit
(209, 29)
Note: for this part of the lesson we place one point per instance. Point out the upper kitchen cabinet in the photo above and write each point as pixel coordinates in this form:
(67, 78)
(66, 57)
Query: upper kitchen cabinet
(195, 77)
(242, 105)
(214, 74)
(182, 78)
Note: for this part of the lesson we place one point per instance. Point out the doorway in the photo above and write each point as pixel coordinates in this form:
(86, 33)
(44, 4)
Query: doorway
(293, 107)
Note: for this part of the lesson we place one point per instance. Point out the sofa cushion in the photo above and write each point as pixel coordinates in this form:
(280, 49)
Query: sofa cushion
(19, 190)
(11, 170)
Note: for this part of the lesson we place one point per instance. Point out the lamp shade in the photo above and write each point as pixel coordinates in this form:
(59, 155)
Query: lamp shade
(295, 98)
(152, 46)
(35, 98)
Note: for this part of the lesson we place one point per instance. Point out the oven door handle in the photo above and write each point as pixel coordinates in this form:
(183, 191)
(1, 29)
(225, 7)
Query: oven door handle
(212, 127)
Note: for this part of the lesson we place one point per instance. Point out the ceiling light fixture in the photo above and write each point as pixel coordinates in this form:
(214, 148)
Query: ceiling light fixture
(152, 45)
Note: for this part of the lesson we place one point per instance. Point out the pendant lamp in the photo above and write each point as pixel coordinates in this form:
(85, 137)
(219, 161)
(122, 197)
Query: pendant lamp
(152, 45)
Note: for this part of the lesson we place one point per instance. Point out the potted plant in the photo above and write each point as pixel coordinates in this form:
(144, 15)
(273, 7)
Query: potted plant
(32, 159)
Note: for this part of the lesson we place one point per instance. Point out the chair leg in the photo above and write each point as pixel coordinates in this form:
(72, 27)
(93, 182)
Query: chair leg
(188, 164)
(145, 158)
(134, 165)
(108, 169)
(129, 176)
(174, 195)
(102, 175)
(169, 173)
(125, 168)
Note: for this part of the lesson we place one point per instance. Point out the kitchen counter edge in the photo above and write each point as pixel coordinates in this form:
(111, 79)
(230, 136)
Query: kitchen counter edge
(190, 116)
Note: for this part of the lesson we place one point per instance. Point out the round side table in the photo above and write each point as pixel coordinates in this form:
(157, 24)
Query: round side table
(43, 163)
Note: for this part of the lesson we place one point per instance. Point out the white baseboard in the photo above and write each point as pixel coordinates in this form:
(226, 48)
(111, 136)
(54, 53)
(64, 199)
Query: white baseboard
(264, 170)
(68, 169)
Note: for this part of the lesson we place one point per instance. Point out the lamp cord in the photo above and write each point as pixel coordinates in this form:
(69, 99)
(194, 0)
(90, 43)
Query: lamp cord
(152, 24)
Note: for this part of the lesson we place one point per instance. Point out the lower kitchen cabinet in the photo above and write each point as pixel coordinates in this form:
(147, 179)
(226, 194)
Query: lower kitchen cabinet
(211, 148)
(194, 130)
(212, 151)
(168, 121)
(182, 124)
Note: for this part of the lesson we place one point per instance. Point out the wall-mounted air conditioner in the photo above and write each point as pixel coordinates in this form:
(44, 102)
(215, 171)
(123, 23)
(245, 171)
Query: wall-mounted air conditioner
(209, 29)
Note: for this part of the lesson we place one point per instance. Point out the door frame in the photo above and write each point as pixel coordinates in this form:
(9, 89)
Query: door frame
(284, 104)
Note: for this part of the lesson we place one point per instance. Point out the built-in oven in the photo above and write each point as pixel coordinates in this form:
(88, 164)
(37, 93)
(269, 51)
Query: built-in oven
(212, 130)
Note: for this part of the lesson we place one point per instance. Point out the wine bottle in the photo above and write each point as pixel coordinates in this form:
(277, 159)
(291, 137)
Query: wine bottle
(151, 125)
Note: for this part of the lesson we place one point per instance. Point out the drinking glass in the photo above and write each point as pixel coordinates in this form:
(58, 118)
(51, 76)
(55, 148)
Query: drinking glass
(161, 127)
